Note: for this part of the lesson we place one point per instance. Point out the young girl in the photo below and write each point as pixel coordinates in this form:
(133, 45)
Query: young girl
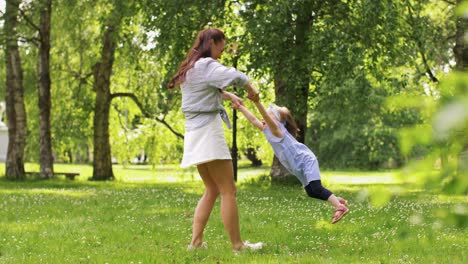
(280, 130)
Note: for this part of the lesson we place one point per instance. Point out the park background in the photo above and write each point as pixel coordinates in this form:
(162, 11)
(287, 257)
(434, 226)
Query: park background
(378, 88)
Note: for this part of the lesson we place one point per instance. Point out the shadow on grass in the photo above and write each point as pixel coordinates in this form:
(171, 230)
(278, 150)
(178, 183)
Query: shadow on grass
(58, 183)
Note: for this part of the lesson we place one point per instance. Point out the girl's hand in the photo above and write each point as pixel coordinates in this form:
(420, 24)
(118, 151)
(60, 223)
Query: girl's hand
(235, 106)
(231, 97)
(236, 101)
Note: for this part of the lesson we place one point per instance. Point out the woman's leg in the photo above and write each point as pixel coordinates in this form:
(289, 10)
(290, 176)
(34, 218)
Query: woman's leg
(204, 207)
(221, 172)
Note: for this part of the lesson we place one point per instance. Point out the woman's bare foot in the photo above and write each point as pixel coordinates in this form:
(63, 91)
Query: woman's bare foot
(201, 246)
(249, 246)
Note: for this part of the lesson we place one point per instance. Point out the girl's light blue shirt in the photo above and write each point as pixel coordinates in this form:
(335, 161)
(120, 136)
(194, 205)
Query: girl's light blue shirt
(296, 157)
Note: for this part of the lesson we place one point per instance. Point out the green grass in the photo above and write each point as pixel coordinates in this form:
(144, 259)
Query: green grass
(145, 217)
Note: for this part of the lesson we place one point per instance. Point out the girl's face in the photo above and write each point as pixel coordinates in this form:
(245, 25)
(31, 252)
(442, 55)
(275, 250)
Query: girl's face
(217, 49)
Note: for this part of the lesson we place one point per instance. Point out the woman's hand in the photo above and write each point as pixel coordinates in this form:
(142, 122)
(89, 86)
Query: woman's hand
(254, 97)
(253, 93)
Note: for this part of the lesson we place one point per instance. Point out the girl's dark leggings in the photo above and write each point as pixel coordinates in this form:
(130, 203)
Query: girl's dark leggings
(315, 190)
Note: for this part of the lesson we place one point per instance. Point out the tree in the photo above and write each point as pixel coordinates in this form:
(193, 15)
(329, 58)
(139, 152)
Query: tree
(16, 114)
(44, 83)
(102, 163)
(443, 130)
(42, 30)
(102, 86)
(75, 49)
(286, 58)
(460, 49)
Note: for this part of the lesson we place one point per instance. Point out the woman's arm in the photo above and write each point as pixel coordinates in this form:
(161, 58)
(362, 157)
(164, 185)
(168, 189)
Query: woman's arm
(252, 119)
(275, 129)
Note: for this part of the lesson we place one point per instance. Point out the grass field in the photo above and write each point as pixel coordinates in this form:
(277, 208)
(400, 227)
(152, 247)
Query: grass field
(145, 217)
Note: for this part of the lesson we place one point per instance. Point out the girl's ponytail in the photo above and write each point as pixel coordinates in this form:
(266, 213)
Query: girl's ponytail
(291, 125)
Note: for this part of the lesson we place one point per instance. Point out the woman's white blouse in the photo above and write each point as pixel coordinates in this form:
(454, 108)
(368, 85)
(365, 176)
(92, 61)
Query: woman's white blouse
(201, 97)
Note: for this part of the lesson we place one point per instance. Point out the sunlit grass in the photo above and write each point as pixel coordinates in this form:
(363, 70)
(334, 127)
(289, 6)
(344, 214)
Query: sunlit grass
(62, 192)
(145, 216)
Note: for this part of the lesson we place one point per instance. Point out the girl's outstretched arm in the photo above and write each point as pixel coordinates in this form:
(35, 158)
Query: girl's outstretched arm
(252, 119)
(232, 97)
(275, 130)
(250, 89)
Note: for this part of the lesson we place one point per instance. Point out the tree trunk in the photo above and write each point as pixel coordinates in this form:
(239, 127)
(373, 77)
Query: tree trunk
(251, 155)
(15, 109)
(278, 172)
(102, 163)
(300, 89)
(292, 83)
(461, 48)
(461, 57)
(43, 69)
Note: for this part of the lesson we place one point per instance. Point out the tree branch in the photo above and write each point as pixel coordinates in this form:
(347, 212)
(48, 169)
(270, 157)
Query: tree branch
(32, 40)
(29, 21)
(451, 37)
(146, 113)
(78, 75)
(124, 126)
(450, 2)
(420, 45)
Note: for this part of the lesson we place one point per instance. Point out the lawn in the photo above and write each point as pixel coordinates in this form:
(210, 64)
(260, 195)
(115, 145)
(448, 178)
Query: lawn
(145, 217)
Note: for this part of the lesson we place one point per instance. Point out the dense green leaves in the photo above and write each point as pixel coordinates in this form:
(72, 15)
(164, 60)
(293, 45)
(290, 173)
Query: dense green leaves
(334, 63)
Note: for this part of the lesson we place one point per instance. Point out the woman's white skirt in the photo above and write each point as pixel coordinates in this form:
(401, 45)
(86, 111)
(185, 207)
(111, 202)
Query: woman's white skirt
(205, 144)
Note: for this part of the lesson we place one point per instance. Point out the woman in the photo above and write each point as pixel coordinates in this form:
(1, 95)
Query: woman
(202, 80)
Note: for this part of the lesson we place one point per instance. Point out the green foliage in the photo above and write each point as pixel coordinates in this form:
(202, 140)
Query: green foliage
(353, 56)
(361, 59)
(444, 134)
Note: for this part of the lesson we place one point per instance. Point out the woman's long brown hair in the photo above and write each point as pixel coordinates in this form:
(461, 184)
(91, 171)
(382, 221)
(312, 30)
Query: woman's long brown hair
(201, 48)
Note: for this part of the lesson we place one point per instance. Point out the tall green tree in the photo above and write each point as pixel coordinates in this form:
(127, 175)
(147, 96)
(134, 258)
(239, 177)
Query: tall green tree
(102, 161)
(460, 49)
(15, 109)
(355, 53)
(116, 33)
(287, 58)
(75, 49)
(44, 91)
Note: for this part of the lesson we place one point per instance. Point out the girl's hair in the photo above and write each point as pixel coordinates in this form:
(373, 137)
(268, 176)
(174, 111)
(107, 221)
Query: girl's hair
(201, 48)
(291, 125)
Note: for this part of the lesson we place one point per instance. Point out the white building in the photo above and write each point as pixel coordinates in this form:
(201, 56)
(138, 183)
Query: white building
(3, 135)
